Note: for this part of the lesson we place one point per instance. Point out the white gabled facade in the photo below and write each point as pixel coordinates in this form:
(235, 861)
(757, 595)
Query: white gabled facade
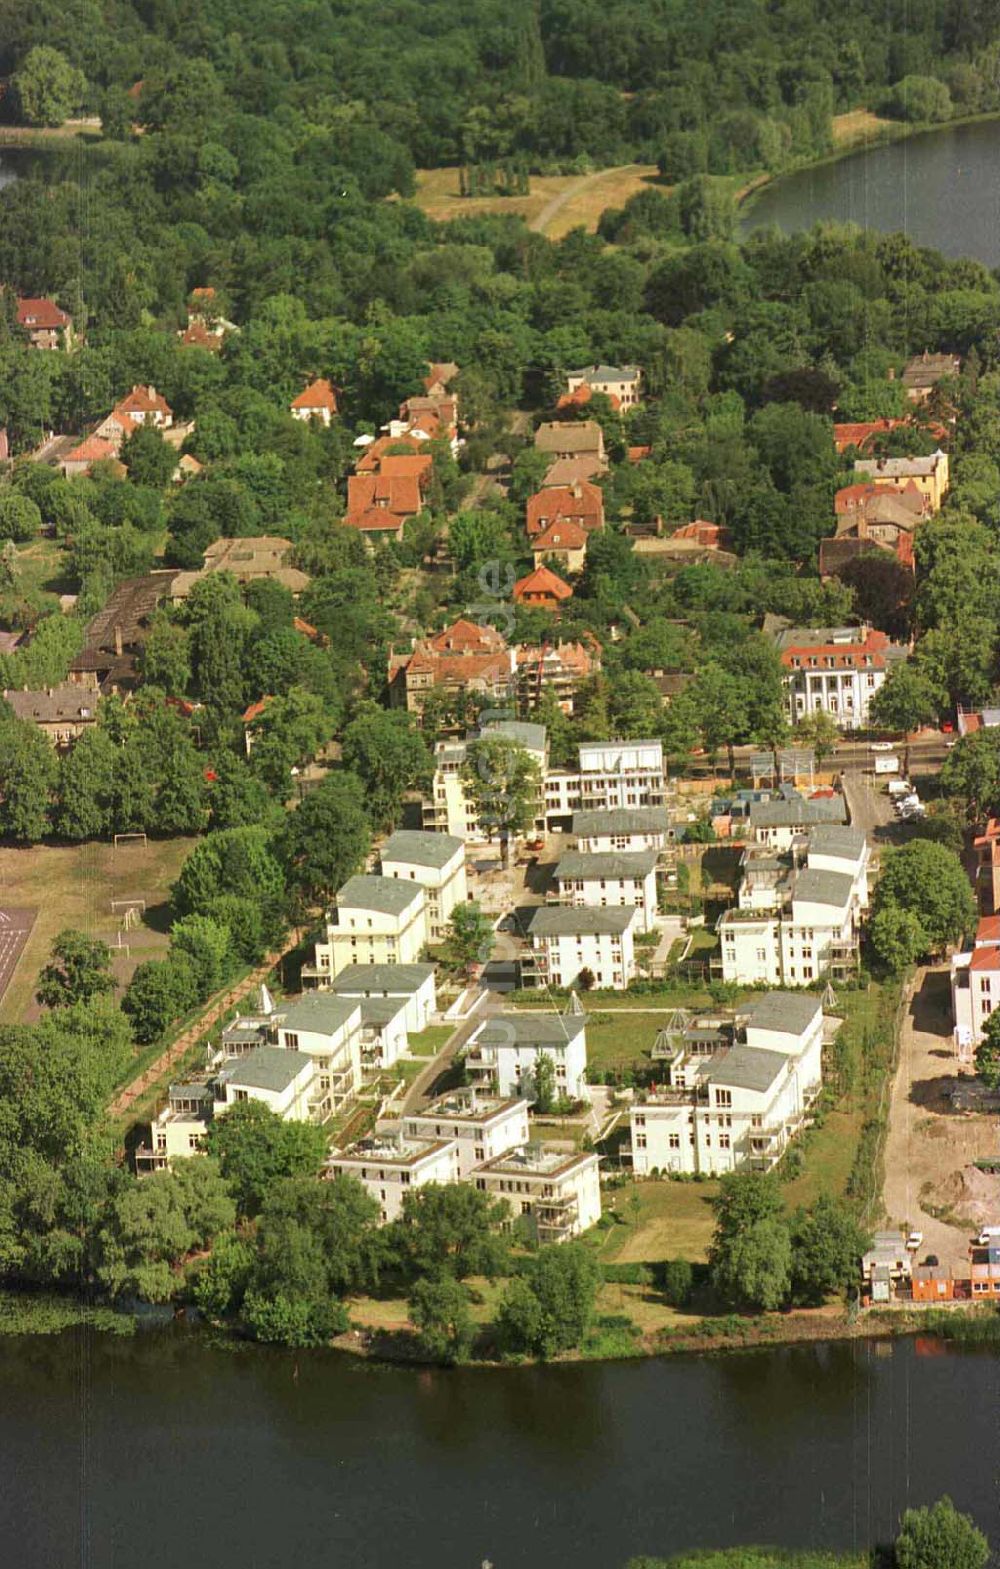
(482, 1126)
(629, 828)
(413, 984)
(798, 914)
(437, 862)
(726, 1106)
(615, 877)
(328, 1029)
(565, 942)
(557, 1194)
(285, 1081)
(390, 1165)
(503, 1052)
(975, 986)
(375, 920)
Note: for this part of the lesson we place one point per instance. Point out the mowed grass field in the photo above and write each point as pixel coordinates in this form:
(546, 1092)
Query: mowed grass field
(555, 204)
(74, 886)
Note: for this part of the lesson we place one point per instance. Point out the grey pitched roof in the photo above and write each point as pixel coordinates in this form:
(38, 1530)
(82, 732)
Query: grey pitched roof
(746, 1068)
(396, 980)
(387, 895)
(621, 820)
(594, 373)
(322, 1012)
(532, 1029)
(562, 920)
(526, 735)
(421, 848)
(381, 1010)
(778, 814)
(834, 839)
(786, 1011)
(833, 888)
(267, 1068)
(607, 864)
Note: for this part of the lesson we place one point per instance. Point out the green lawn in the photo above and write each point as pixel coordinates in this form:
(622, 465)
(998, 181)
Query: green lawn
(623, 1039)
(674, 1220)
(430, 1041)
(42, 569)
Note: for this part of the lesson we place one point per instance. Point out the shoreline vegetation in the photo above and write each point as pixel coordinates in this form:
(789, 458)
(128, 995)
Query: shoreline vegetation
(874, 133)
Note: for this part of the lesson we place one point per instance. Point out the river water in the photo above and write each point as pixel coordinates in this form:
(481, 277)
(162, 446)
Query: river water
(942, 188)
(164, 1452)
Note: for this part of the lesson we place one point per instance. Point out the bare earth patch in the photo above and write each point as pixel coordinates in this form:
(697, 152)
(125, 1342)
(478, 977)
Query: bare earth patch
(555, 204)
(858, 125)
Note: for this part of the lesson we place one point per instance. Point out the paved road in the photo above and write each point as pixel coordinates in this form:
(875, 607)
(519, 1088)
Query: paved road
(421, 1088)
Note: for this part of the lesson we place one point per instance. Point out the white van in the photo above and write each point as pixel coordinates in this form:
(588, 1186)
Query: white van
(989, 1235)
(899, 787)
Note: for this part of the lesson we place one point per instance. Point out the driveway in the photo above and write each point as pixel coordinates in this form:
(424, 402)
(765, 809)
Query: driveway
(422, 1088)
(928, 1143)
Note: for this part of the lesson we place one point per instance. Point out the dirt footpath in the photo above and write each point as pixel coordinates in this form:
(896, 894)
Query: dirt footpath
(928, 1143)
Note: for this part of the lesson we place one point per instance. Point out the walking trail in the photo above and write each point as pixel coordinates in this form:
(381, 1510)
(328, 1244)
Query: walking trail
(215, 1011)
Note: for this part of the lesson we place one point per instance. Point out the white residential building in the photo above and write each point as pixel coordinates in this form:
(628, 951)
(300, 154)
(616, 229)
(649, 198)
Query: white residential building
(835, 670)
(566, 942)
(629, 828)
(328, 1029)
(798, 915)
(503, 1052)
(780, 823)
(375, 920)
(285, 1081)
(178, 1130)
(437, 862)
(621, 382)
(612, 775)
(611, 877)
(413, 984)
(726, 1106)
(384, 1037)
(483, 1126)
(557, 1194)
(391, 1165)
(975, 986)
(450, 810)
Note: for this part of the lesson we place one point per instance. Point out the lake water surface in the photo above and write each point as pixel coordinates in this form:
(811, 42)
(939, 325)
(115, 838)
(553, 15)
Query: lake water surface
(942, 188)
(165, 1453)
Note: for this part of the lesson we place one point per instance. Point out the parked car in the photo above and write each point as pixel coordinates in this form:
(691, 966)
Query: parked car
(882, 746)
(914, 1241)
(947, 728)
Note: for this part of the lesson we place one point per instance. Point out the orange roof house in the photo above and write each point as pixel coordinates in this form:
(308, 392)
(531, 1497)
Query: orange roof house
(859, 433)
(709, 536)
(581, 503)
(564, 541)
(370, 460)
(375, 520)
(146, 406)
(581, 395)
(197, 336)
(439, 375)
(317, 401)
(542, 590)
(94, 449)
(46, 325)
(464, 657)
(398, 494)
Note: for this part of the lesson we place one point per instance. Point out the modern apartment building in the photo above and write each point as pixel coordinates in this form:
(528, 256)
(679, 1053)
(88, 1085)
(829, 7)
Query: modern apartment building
(482, 1126)
(412, 984)
(374, 920)
(733, 1096)
(798, 913)
(609, 878)
(502, 1053)
(390, 1165)
(612, 775)
(450, 809)
(565, 943)
(437, 862)
(557, 1195)
(326, 1028)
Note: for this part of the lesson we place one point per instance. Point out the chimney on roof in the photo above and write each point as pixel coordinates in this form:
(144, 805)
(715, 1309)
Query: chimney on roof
(119, 648)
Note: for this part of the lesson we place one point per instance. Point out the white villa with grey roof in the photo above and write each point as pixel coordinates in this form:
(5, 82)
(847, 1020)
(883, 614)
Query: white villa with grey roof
(503, 1052)
(375, 920)
(610, 877)
(564, 943)
(412, 984)
(284, 1081)
(735, 1097)
(628, 828)
(437, 862)
(798, 913)
(623, 382)
(328, 1029)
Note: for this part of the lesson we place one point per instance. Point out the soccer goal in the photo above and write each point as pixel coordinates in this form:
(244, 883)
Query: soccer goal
(126, 841)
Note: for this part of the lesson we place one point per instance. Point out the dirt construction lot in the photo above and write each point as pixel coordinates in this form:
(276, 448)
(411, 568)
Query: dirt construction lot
(929, 1146)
